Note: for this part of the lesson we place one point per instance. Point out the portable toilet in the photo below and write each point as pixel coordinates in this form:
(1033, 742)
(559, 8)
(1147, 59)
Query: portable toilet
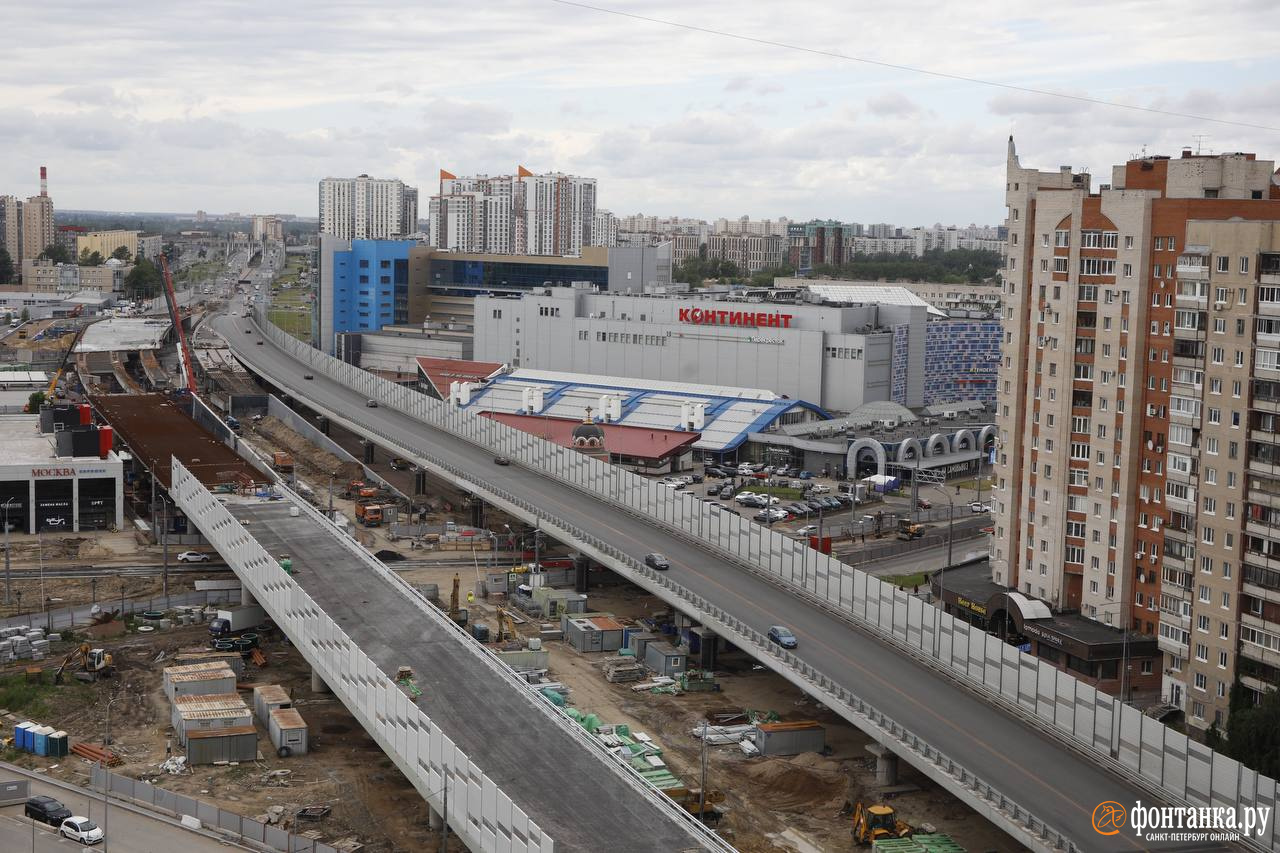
(58, 745)
(20, 736)
(41, 735)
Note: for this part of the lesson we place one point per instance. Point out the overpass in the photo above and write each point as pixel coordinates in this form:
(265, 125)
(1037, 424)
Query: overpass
(519, 775)
(1027, 746)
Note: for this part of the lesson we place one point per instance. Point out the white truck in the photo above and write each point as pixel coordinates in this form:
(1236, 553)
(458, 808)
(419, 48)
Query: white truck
(235, 620)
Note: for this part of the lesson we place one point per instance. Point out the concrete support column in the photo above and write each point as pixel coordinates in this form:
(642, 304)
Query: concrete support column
(317, 683)
(75, 504)
(886, 764)
(434, 819)
(246, 597)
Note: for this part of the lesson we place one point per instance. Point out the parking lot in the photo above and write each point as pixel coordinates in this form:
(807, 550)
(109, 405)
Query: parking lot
(799, 503)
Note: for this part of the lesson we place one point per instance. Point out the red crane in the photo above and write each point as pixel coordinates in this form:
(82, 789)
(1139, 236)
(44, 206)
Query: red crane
(184, 354)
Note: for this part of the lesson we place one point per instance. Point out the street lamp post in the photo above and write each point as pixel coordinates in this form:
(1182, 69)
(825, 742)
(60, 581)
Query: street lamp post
(8, 579)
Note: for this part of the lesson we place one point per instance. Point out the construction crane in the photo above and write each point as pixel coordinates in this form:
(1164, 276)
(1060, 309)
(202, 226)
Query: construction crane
(92, 664)
(66, 356)
(184, 355)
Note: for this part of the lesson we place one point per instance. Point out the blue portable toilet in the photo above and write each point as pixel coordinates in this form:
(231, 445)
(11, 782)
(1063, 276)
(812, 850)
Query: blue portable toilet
(20, 734)
(41, 737)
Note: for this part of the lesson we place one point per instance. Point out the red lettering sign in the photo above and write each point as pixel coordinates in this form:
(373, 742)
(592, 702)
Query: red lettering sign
(53, 472)
(724, 317)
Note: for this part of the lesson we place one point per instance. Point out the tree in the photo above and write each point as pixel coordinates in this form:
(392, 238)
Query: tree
(695, 271)
(34, 401)
(143, 281)
(91, 259)
(57, 254)
(25, 315)
(6, 266)
(122, 253)
(1253, 731)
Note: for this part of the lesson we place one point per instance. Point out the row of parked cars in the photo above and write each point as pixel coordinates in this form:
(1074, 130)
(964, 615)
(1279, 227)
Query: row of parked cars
(49, 811)
(747, 469)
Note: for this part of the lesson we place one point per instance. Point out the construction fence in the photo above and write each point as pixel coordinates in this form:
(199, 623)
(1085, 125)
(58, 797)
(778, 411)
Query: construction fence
(81, 615)
(1114, 734)
(230, 824)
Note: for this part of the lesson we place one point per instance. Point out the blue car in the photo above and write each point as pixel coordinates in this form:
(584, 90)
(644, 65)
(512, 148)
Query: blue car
(782, 635)
(806, 475)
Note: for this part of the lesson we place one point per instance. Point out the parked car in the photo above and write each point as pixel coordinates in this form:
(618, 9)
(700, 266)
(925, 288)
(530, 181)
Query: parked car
(978, 508)
(798, 509)
(831, 503)
(307, 376)
(696, 478)
(807, 530)
(845, 500)
(743, 495)
(923, 504)
(193, 557)
(714, 472)
(805, 475)
(770, 515)
(501, 460)
(81, 829)
(657, 562)
(820, 488)
(726, 492)
(782, 635)
(46, 810)
(814, 505)
(371, 404)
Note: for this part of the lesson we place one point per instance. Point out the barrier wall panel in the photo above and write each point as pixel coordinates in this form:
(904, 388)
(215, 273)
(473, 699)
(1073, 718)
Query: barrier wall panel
(1199, 773)
(1064, 688)
(1225, 781)
(1175, 763)
(1130, 736)
(1046, 692)
(1151, 762)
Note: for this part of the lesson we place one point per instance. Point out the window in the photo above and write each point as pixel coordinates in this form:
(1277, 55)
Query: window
(1128, 241)
(1061, 239)
(1127, 270)
(1224, 263)
(1244, 263)
(1044, 240)
(1097, 266)
(1060, 265)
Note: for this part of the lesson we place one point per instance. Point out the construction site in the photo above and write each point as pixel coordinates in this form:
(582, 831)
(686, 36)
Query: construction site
(210, 700)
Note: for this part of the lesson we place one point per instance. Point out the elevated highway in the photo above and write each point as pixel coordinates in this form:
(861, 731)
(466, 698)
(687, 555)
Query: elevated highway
(1033, 782)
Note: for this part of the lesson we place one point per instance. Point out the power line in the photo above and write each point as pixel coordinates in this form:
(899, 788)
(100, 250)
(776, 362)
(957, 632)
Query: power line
(911, 69)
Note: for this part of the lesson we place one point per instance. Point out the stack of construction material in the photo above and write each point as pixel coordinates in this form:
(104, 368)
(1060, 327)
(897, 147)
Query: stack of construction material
(936, 843)
(622, 669)
(93, 752)
(21, 642)
(720, 735)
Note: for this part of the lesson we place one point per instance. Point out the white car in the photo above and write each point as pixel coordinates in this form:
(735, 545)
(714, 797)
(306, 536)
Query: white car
(743, 495)
(819, 489)
(807, 530)
(81, 829)
(193, 557)
(978, 508)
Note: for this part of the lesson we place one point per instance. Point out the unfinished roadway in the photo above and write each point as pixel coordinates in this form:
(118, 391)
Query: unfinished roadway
(1061, 785)
(580, 802)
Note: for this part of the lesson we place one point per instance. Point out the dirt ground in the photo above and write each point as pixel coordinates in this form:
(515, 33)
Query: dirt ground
(344, 768)
(795, 803)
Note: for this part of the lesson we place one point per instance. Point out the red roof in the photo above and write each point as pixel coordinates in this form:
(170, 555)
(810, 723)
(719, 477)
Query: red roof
(638, 442)
(441, 371)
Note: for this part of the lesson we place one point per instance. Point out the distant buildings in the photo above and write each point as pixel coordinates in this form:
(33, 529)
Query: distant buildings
(816, 243)
(520, 214)
(604, 229)
(365, 208)
(41, 275)
(26, 228)
(264, 228)
(749, 252)
(364, 285)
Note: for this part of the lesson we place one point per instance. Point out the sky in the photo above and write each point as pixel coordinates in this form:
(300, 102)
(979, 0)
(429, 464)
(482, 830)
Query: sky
(229, 106)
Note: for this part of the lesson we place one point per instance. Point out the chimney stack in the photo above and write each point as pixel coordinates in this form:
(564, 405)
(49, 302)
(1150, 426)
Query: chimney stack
(44, 182)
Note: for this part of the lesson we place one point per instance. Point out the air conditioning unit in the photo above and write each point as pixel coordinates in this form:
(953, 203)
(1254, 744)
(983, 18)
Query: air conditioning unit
(1138, 555)
(1219, 306)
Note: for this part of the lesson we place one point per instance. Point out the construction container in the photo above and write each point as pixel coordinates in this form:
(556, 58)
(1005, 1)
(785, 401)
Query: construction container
(41, 739)
(268, 698)
(208, 712)
(59, 745)
(592, 632)
(238, 743)
(637, 640)
(199, 679)
(288, 732)
(790, 738)
(664, 658)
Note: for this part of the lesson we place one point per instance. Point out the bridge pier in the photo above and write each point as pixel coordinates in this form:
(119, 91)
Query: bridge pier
(246, 597)
(886, 764)
(317, 683)
(435, 820)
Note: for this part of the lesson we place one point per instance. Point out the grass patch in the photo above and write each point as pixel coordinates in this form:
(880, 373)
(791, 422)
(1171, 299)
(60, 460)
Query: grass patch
(296, 323)
(908, 581)
(29, 699)
(987, 484)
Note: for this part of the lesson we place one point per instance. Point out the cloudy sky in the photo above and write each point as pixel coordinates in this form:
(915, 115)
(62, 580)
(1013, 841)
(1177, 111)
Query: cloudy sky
(230, 106)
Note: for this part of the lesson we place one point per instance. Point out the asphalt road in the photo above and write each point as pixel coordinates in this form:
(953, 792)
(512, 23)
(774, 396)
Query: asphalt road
(126, 831)
(1033, 768)
(565, 789)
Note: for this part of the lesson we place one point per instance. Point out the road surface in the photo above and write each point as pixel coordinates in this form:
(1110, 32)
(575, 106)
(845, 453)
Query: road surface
(1028, 765)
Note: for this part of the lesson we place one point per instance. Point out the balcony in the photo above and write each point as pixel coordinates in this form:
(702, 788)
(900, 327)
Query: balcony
(1256, 652)
(1171, 646)
(1269, 309)
(1256, 684)
(1193, 267)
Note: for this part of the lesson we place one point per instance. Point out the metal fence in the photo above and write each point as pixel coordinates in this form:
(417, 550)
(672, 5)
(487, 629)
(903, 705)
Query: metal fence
(1115, 735)
(71, 617)
(230, 824)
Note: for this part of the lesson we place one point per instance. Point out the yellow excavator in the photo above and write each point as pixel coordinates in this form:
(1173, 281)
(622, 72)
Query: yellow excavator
(506, 627)
(877, 822)
(91, 664)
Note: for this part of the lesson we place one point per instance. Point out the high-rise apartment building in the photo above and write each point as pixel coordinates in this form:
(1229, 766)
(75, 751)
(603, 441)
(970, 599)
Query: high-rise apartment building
(1137, 470)
(365, 208)
(604, 229)
(11, 230)
(751, 253)
(817, 243)
(27, 228)
(520, 214)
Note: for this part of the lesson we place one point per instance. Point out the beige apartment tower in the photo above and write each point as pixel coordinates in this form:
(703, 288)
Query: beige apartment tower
(1136, 381)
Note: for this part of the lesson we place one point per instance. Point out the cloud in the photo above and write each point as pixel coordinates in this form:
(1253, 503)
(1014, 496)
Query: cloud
(892, 105)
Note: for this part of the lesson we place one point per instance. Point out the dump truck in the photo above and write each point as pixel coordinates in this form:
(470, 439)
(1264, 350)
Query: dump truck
(282, 462)
(908, 529)
(369, 514)
(234, 620)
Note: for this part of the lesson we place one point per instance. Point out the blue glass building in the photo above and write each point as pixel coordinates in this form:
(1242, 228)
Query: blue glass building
(364, 285)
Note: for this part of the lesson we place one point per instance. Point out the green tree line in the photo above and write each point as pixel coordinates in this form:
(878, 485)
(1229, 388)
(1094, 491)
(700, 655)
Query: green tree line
(955, 267)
